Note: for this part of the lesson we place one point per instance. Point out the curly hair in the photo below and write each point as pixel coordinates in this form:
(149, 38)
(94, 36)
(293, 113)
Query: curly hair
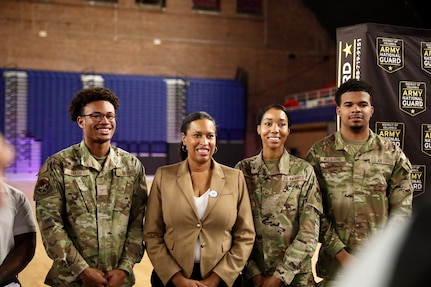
(89, 95)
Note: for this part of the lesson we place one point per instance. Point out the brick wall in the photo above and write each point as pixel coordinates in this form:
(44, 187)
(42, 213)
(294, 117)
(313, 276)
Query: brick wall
(282, 52)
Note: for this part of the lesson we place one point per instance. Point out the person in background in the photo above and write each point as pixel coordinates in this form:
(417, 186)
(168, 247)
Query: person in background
(364, 178)
(17, 225)
(198, 227)
(90, 201)
(286, 204)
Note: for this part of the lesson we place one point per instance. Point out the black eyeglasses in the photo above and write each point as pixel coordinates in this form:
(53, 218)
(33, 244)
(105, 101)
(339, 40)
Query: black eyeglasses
(99, 116)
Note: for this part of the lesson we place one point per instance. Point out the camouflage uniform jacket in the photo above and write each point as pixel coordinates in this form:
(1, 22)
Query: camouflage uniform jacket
(360, 192)
(286, 204)
(89, 215)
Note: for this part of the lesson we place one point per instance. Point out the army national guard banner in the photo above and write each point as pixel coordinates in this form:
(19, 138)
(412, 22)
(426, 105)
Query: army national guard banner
(396, 61)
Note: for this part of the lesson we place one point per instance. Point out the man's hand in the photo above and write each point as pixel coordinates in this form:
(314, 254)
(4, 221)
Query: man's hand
(344, 257)
(180, 281)
(213, 280)
(115, 277)
(266, 281)
(92, 277)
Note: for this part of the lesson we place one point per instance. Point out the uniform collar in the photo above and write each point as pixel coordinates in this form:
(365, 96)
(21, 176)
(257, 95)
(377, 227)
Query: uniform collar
(260, 167)
(112, 161)
(340, 144)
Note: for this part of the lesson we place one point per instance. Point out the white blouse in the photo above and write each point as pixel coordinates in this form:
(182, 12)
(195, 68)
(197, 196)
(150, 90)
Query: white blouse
(201, 203)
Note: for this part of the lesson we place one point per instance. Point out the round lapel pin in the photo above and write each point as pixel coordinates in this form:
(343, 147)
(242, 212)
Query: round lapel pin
(213, 193)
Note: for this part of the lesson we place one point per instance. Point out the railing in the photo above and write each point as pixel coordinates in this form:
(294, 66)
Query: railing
(311, 99)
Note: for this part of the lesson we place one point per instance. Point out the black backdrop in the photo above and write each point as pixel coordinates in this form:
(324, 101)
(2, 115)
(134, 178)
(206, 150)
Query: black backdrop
(396, 61)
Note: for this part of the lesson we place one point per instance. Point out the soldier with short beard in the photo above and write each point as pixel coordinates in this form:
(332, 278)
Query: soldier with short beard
(364, 178)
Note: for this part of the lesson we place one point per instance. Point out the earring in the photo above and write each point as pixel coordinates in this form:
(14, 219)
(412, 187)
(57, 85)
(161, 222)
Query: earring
(184, 148)
(215, 150)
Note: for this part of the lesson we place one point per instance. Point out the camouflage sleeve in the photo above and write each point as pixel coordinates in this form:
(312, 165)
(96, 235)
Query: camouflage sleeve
(400, 192)
(309, 157)
(251, 269)
(49, 197)
(134, 246)
(329, 238)
(305, 242)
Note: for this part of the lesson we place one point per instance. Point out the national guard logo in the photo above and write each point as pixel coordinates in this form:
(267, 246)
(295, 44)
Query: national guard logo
(390, 54)
(426, 139)
(426, 56)
(392, 131)
(412, 97)
(42, 186)
(418, 177)
(349, 55)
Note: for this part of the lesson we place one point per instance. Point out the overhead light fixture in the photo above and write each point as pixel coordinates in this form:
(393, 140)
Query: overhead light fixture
(43, 34)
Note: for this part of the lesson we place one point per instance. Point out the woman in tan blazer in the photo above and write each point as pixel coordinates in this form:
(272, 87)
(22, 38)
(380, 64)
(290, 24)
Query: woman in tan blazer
(198, 226)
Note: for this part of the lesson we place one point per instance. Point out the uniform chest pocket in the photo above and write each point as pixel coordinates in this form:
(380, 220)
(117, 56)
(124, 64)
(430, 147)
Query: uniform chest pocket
(376, 174)
(78, 194)
(333, 171)
(380, 167)
(123, 186)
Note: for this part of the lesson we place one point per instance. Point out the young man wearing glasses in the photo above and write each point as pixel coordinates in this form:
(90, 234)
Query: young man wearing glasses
(90, 201)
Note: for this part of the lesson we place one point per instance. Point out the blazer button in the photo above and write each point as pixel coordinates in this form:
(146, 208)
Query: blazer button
(203, 244)
(198, 225)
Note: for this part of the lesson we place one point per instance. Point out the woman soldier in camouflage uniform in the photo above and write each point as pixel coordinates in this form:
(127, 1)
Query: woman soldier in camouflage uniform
(286, 204)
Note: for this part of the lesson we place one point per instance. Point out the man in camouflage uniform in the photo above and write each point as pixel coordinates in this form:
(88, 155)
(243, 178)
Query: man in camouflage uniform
(90, 201)
(286, 205)
(364, 178)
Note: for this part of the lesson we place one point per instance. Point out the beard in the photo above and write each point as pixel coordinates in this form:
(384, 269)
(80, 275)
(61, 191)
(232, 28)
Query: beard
(357, 128)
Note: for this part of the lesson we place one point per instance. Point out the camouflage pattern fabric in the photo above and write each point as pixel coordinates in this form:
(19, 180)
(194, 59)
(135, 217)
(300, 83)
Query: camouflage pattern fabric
(89, 215)
(286, 204)
(361, 192)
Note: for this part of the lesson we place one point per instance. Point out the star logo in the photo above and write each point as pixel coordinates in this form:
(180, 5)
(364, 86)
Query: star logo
(347, 50)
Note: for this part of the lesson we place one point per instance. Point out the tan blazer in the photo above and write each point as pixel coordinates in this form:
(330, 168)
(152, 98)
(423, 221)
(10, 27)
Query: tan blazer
(172, 227)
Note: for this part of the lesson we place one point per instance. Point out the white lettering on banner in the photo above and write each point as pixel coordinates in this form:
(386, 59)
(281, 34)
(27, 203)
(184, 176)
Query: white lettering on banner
(417, 186)
(412, 104)
(347, 72)
(390, 60)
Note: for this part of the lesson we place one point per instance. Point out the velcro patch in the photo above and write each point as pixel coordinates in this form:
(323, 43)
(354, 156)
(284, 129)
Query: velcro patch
(42, 186)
